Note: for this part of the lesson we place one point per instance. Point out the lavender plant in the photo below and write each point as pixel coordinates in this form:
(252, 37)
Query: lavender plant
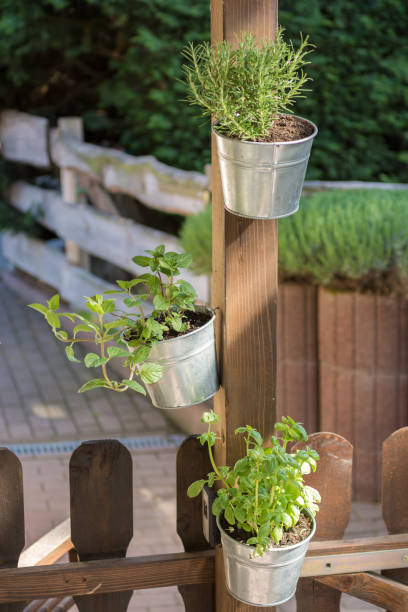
(264, 493)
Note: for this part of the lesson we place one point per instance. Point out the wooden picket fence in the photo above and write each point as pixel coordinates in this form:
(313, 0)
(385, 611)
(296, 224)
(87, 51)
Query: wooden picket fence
(100, 578)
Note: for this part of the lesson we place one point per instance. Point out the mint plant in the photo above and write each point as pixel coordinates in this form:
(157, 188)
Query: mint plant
(245, 88)
(111, 328)
(264, 493)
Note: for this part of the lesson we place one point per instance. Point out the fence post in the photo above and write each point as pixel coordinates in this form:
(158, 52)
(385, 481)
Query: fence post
(72, 127)
(192, 464)
(100, 475)
(245, 289)
(333, 480)
(11, 516)
(395, 491)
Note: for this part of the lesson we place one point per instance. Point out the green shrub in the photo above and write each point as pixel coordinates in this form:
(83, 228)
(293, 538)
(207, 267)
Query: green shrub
(359, 88)
(355, 239)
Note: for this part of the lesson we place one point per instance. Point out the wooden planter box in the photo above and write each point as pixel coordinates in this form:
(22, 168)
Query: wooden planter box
(297, 392)
(363, 394)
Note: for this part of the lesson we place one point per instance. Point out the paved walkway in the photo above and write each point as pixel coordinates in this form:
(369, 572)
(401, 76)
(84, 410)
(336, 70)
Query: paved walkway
(39, 399)
(39, 402)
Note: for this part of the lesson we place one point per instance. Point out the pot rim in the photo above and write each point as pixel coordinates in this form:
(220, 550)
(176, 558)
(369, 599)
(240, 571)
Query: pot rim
(277, 549)
(191, 333)
(269, 144)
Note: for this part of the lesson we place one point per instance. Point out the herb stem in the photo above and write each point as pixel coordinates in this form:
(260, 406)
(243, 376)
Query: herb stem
(216, 470)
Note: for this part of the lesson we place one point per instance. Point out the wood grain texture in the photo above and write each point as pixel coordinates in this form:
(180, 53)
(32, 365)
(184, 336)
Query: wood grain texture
(192, 464)
(395, 491)
(334, 466)
(244, 288)
(11, 516)
(106, 576)
(371, 588)
(101, 511)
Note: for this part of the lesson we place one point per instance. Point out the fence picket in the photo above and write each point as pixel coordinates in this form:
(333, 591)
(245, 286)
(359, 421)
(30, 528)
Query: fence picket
(333, 480)
(101, 512)
(11, 516)
(192, 463)
(395, 490)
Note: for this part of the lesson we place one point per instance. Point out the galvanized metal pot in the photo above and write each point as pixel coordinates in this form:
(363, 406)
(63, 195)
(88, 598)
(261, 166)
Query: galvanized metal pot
(269, 580)
(189, 365)
(263, 180)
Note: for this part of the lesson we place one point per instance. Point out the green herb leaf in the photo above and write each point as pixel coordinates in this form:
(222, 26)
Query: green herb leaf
(92, 360)
(39, 308)
(94, 383)
(151, 372)
(117, 351)
(134, 385)
(54, 302)
(195, 488)
(142, 260)
(69, 351)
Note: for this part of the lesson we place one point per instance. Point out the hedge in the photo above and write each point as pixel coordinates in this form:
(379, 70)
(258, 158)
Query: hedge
(355, 240)
(116, 63)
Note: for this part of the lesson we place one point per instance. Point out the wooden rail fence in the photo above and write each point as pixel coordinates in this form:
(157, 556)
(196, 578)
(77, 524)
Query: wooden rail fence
(100, 578)
(97, 229)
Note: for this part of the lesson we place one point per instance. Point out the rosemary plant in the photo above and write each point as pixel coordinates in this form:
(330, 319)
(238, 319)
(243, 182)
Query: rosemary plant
(247, 87)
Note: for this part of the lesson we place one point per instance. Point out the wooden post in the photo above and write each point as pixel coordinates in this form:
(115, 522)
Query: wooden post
(73, 127)
(245, 289)
(11, 516)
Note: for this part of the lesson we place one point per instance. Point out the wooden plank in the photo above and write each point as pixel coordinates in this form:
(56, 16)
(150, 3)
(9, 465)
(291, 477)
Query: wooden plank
(395, 491)
(193, 463)
(371, 588)
(109, 575)
(49, 265)
(244, 289)
(112, 238)
(11, 516)
(101, 512)
(24, 138)
(335, 466)
(72, 127)
(49, 548)
(163, 570)
(153, 183)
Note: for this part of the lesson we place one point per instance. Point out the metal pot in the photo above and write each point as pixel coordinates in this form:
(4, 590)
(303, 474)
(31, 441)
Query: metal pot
(189, 365)
(269, 580)
(263, 180)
